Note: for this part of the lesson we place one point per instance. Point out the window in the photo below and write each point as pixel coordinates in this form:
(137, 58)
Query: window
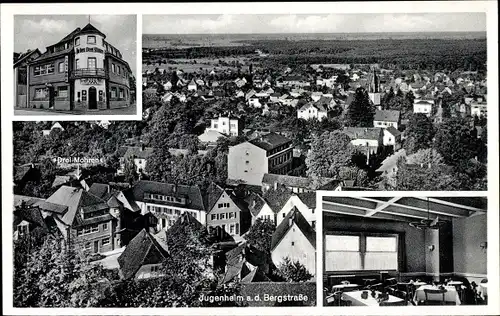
(79, 232)
(77, 41)
(121, 93)
(105, 226)
(61, 67)
(293, 243)
(50, 68)
(119, 69)
(237, 228)
(113, 67)
(313, 224)
(223, 216)
(94, 228)
(163, 222)
(91, 62)
(86, 246)
(91, 39)
(77, 64)
(105, 241)
(214, 217)
(231, 229)
(62, 92)
(155, 269)
(361, 252)
(113, 92)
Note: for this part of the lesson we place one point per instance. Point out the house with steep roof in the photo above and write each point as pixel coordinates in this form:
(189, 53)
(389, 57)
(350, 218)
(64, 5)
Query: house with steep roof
(371, 138)
(226, 213)
(300, 184)
(423, 106)
(295, 239)
(389, 167)
(386, 118)
(166, 201)
(250, 160)
(29, 222)
(21, 76)
(210, 137)
(292, 81)
(392, 137)
(259, 208)
(305, 203)
(143, 257)
(192, 86)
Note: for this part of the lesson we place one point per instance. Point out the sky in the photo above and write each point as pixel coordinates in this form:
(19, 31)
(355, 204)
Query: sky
(313, 23)
(40, 31)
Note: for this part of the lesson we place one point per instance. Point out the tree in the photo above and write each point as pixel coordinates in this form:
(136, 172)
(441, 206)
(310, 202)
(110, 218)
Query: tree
(260, 235)
(360, 112)
(420, 133)
(425, 157)
(456, 141)
(293, 271)
(57, 276)
(329, 152)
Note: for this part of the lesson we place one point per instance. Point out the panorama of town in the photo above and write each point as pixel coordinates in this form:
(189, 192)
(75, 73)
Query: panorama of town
(210, 199)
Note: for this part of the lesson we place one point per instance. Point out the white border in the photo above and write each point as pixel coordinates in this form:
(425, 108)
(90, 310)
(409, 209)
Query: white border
(7, 12)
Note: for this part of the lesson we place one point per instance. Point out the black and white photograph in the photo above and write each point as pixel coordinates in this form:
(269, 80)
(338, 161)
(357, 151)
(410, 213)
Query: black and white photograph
(358, 95)
(280, 158)
(405, 250)
(156, 226)
(75, 64)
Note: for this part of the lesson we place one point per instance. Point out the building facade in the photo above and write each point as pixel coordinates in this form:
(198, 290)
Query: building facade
(80, 72)
(225, 125)
(21, 77)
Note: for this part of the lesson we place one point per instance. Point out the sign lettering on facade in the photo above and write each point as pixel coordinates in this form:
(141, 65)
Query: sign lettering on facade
(91, 81)
(66, 75)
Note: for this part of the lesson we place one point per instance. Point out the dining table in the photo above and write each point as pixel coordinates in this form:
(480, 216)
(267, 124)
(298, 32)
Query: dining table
(344, 287)
(451, 294)
(483, 288)
(357, 300)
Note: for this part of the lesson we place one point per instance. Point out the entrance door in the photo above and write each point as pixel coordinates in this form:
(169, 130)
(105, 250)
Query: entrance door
(96, 246)
(92, 98)
(51, 97)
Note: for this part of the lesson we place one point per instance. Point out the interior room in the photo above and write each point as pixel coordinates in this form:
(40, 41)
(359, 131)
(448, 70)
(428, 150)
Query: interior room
(418, 250)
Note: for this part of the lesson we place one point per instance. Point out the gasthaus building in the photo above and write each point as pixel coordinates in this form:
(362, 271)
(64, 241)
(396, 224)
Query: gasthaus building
(80, 72)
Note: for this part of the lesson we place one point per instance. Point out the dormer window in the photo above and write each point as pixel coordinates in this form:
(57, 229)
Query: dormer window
(91, 39)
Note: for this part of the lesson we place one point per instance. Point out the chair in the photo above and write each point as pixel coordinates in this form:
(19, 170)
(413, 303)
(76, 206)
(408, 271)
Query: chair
(435, 292)
(337, 298)
(399, 303)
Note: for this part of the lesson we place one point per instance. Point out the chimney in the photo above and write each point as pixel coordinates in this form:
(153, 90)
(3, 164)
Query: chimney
(290, 220)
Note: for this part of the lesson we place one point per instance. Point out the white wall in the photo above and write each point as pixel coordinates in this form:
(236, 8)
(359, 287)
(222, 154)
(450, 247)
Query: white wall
(468, 257)
(302, 250)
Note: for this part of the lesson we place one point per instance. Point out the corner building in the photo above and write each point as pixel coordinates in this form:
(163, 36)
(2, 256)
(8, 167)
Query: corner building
(80, 72)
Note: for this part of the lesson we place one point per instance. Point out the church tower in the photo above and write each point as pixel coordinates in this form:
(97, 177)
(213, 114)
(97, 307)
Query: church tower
(374, 90)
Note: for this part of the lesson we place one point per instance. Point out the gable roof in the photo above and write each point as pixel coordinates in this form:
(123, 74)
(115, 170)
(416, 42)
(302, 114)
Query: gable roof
(393, 131)
(212, 195)
(33, 215)
(192, 193)
(90, 29)
(142, 249)
(308, 198)
(269, 141)
(100, 190)
(23, 57)
(74, 198)
(294, 216)
(387, 115)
